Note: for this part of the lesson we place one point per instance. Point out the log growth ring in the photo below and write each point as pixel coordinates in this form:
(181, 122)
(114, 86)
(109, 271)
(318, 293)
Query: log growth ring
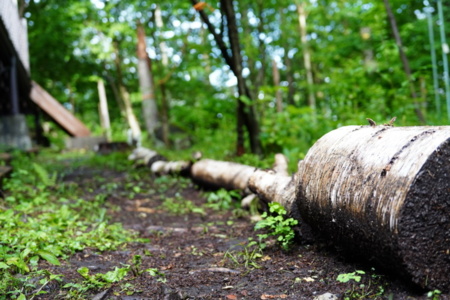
(383, 193)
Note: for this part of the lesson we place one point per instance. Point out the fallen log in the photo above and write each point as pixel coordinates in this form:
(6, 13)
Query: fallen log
(380, 192)
(222, 174)
(383, 193)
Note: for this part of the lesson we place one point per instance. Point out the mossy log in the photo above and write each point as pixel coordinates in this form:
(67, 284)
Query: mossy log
(384, 193)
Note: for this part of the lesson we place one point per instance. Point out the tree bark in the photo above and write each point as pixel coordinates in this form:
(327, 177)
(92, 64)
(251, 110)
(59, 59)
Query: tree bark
(149, 107)
(383, 193)
(306, 55)
(404, 60)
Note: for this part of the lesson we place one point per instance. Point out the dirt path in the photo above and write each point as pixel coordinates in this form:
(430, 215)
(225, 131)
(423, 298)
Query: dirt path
(201, 253)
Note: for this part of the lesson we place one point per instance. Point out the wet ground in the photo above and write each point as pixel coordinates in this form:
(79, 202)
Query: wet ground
(204, 254)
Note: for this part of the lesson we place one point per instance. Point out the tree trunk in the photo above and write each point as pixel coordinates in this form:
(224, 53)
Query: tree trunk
(383, 193)
(164, 99)
(245, 113)
(404, 60)
(125, 96)
(149, 108)
(289, 77)
(306, 55)
(103, 109)
(276, 84)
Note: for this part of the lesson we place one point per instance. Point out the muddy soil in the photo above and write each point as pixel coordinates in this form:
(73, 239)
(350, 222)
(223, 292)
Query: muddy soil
(204, 256)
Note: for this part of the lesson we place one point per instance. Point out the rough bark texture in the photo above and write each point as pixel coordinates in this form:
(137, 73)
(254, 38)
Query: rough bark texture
(383, 193)
(273, 187)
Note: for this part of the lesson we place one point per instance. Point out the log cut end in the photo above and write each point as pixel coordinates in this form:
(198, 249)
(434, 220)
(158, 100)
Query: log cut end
(424, 223)
(383, 194)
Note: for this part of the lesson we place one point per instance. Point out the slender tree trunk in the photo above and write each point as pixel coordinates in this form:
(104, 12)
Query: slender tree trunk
(116, 94)
(124, 95)
(306, 55)
(103, 109)
(290, 78)
(276, 83)
(149, 108)
(164, 98)
(404, 60)
(246, 113)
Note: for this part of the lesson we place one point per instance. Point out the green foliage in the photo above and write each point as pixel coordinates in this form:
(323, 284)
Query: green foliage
(41, 219)
(277, 225)
(355, 75)
(222, 199)
(356, 276)
(32, 284)
(249, 255)
(180, 206)
(372, 288)
(434, 295)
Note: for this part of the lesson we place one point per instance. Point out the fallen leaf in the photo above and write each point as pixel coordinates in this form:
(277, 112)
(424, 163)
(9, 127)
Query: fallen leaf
(308, 279)
(232, 297)
(146, 210)
(267, 296)
(266, 258)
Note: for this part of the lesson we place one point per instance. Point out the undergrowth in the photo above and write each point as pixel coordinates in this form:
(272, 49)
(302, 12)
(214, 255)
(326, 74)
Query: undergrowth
(44, 219)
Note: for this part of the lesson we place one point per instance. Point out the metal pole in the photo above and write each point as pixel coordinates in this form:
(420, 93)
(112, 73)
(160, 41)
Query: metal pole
(14, 91)
(445, 51)
(434, 63)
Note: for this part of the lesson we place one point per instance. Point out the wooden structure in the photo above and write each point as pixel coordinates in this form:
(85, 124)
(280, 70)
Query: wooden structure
(15, 82)
(19, 95)
(57, 112)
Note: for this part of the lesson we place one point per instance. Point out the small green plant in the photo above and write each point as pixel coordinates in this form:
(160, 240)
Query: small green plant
(248, 256)
(222, 199)
(181, 206)
(42, 219)
(434, 295)
(277, 225)
(346, 277)
(370, 289)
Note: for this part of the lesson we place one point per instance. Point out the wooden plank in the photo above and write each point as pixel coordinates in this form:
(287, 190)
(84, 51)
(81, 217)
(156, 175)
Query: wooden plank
(57, 112)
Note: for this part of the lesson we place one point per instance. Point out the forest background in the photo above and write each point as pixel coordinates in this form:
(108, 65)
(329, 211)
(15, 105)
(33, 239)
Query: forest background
(274, 76)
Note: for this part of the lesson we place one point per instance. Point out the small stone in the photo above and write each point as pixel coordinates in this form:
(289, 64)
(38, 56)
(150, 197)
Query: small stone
(326, 296)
